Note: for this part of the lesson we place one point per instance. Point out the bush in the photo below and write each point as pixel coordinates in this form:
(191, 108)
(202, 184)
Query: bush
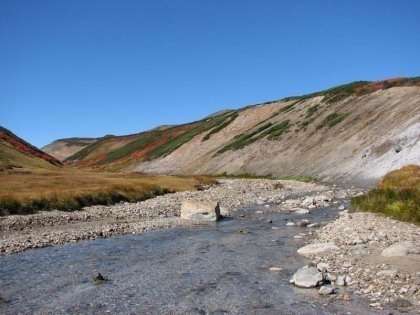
(278, 186)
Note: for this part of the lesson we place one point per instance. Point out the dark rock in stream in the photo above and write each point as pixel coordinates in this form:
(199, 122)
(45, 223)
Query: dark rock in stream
(99, 279)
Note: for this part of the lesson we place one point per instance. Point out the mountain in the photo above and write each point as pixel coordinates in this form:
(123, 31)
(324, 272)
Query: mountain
(63, 148)
(351, 133)
(17, 153)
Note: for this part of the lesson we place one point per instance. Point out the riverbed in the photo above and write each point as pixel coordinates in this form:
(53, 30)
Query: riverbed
(216, 268)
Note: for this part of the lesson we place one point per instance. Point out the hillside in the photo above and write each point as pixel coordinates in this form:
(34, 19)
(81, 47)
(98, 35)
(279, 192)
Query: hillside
(17, 153)
(351, 133)
(63, 148)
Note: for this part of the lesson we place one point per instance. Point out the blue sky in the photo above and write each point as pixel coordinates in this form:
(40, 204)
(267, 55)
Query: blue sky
(88, 68)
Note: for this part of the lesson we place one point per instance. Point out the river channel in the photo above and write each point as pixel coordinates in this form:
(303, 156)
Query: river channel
(217, 268)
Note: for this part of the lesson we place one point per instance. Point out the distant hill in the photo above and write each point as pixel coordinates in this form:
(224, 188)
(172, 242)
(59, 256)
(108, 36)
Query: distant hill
(350, 133)
(16, 153)
(63, 148)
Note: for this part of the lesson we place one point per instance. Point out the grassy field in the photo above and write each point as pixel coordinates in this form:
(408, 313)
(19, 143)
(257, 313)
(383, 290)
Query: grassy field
(396, 195)
(28, 191)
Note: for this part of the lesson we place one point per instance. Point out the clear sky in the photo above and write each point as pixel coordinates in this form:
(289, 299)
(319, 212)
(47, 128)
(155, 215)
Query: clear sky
(88, 68)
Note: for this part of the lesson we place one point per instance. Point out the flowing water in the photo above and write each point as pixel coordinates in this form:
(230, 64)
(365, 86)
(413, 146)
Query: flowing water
(217, 268)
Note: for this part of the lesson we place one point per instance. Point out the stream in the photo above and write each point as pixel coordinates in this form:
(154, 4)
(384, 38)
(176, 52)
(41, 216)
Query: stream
(215, 268)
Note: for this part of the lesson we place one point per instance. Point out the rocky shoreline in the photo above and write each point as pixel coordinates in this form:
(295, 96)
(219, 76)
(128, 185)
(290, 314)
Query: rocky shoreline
(354, 265)
(363, 264)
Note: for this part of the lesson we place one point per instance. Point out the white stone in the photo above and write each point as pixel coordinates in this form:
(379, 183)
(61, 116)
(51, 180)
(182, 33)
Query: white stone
(200, 211)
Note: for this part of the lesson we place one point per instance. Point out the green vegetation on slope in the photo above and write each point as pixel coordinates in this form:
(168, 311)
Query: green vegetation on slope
(397, 195)
(333, 94)
(311, 110)
(268, 130)
(223, 125)
(331, 120)
(176, 142)
(129, 148)
(84, 152)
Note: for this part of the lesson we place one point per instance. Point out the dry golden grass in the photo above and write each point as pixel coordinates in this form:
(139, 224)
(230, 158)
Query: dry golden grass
(28, 191)
(408, 177)
(396, 195)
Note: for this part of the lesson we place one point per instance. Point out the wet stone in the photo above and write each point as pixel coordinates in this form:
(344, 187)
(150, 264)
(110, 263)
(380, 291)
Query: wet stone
(99, 279)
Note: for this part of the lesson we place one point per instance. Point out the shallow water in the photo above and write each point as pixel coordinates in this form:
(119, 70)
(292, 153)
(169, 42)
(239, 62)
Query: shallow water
(205, 269)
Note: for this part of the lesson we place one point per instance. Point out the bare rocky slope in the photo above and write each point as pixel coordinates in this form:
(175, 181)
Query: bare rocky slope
(378, 133)
(353, 134)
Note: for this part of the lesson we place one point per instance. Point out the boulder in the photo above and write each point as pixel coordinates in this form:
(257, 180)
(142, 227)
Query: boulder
(401, 249)
(307, 277)
(316, 248)
(200, 211)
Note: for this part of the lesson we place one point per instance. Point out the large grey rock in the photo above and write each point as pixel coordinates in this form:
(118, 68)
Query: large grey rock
(307, 277)
(200, 211)
(316, 248)
(401, 249)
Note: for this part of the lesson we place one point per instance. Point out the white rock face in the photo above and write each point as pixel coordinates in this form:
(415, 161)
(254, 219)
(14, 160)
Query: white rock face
(401, 249)
(200, 211)
(307, 277)
(316, 248)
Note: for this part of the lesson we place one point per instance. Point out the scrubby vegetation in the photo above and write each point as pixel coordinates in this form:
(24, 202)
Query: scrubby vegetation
(268, 130)
(245, 176)
(397, 195)
(245, 139)
(278, 186)
(331, 120)
(223, 125)
(176, 142)
(312, 110)
(304, 179)
(129, 148)
(32, 191)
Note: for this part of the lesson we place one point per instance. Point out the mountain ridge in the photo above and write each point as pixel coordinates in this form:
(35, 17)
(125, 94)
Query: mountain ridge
(219, 143)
